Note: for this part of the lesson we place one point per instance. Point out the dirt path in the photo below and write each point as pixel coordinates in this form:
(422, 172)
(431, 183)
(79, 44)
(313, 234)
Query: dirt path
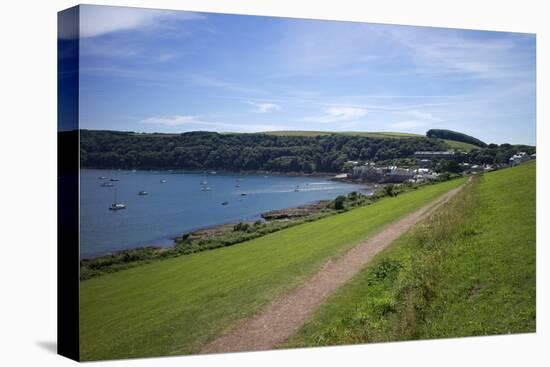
(282, 318)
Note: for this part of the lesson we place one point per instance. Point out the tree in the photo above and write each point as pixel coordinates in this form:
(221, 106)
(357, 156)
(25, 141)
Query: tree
(390, 190)
(339, 202)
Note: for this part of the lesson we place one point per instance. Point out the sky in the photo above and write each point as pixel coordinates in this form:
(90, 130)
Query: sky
(172, 71)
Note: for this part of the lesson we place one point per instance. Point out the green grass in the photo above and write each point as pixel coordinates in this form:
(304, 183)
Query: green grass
(468, 271)
(178, 305)
(379, 135)
(460, 145)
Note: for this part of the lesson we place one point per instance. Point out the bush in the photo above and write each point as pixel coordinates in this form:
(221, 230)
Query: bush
(241, 227)
(390, 190)
(339, 202)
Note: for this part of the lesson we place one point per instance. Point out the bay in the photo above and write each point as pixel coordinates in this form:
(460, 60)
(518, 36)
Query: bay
(178, 205)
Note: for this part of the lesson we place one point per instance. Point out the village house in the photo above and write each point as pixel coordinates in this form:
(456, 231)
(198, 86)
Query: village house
(449, 154)
(518, 158)
(390, 174)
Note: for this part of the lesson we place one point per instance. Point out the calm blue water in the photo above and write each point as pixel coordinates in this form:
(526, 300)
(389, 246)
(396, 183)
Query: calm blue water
(179, 205)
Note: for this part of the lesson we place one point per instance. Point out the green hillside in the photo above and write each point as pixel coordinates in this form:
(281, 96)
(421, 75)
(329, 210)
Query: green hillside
(452, 144)
(469, 271)
(177, 305)
(348, 133)
(459, 145)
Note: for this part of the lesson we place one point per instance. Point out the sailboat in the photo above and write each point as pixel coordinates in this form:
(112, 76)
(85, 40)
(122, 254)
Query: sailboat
(204, 186)
(115, 205)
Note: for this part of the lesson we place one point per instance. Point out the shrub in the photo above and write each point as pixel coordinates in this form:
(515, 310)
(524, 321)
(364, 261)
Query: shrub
(339, 202)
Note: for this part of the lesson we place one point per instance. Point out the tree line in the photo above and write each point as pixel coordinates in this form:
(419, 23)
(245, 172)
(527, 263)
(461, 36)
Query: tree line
(209, 150)
(262, 152)
(456, 136)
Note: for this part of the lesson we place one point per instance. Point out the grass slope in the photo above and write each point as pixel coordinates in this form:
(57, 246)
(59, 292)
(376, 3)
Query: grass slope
(177, 305)
(451, 143)
(468, 271)
(350, 133)
(460, 145)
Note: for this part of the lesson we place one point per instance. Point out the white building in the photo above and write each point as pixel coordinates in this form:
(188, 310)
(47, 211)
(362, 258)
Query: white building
(518, 158)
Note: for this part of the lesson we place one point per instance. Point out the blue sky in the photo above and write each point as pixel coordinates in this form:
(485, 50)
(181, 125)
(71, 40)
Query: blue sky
(163, 71)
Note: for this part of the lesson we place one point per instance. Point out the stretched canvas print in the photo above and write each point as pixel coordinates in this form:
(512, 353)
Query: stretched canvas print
(235, 183)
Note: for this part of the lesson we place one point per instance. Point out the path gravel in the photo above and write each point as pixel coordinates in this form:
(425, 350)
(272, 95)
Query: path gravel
(281, 319)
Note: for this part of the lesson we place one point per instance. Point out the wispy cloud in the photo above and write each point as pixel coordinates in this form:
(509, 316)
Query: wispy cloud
(455, 54)
(264, 107)
(214, 82)
(339, 113)
(101, 20)
(175, 120)
(190, 122)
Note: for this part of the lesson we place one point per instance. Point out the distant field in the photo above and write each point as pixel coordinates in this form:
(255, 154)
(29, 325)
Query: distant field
(469, 272)
(460, 145)
(351, 133)
(380, 135)
(452, 144)
(177, 305)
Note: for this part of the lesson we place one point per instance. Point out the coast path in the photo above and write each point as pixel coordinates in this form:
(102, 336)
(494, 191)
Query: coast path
(283, 317)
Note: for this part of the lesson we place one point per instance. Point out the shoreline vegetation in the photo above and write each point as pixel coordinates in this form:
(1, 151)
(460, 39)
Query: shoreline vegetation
(229, 234)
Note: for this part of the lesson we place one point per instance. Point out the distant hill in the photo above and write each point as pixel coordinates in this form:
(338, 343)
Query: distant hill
(455, 136)
(290, 152)
(280, 151)
(451, 143)
(381, 135)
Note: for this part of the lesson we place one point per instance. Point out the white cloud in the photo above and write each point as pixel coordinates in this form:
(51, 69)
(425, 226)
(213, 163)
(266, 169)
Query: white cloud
(190, 123)
(100, 20)
(426, 116)
(175, 120)
(206, 81)
(264, 107)
(339, 113)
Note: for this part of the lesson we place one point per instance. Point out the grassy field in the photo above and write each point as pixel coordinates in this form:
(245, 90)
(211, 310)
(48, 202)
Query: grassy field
(176, 306)
(451, 143)
(468, 271)
(351, 133)
(460, 145)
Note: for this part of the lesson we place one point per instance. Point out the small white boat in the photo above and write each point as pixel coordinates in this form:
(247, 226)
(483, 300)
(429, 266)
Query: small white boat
(107, 184)
(117, 206)
(163, 181)
(143, 193)
(102, 178)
